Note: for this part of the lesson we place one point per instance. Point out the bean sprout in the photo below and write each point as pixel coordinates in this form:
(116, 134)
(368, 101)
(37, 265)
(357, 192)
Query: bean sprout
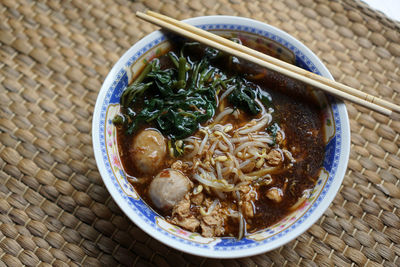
(226, 93)
(223, 114)
(260, 124)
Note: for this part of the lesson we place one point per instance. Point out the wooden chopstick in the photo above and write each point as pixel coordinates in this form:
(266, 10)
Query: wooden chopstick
(280, 63)
(215, 41)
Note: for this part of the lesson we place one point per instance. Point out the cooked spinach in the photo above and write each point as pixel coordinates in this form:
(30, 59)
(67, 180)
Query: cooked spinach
(176, 99)
(243, 96)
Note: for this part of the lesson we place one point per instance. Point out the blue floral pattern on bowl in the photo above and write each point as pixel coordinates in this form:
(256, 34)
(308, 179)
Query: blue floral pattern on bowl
(219, 247)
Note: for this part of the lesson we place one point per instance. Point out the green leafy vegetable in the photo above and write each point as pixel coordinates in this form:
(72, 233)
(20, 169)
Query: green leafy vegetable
(264, 97)
(174, 100)
(178, 96)
(243, 97)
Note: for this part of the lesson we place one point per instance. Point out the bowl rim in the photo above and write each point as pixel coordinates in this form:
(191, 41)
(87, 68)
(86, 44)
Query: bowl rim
(338, 178)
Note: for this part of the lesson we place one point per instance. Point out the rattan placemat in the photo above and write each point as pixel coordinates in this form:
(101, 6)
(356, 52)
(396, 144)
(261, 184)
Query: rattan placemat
(54, 208)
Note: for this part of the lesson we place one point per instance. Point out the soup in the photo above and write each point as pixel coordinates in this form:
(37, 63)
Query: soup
(217, 145)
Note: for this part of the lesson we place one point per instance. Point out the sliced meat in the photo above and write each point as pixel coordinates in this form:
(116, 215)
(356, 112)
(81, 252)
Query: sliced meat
(244, 189)
(219, 231)
(206, 230)
(212, 224)
(247, 209)
(275, 194)
(182, 209)
(279, 137)
(182, 215)
(190, 223)
(197, 199)
(180, 166)
(274, 157)
(212, 220)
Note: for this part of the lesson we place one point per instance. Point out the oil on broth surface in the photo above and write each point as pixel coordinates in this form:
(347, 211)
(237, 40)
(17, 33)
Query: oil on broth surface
(299, 120)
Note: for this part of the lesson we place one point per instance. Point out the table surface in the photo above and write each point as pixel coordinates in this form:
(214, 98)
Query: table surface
(54, 208)
(390, 8)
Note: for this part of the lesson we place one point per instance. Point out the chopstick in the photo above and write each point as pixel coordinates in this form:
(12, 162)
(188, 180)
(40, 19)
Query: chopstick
(225, 45)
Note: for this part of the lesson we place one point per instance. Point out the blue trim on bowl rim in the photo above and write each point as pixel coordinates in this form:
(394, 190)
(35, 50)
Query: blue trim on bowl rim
(226, 244)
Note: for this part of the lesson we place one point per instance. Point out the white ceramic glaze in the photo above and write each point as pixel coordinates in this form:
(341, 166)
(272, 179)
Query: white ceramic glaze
(106, 151)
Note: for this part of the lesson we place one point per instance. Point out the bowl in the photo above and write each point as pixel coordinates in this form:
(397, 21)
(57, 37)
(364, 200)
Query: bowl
(280, 44)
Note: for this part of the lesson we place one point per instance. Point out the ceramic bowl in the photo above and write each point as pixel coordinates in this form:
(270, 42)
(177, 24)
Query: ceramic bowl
(280, 44)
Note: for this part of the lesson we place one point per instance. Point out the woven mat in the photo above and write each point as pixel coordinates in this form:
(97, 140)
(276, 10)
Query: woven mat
(54, 208)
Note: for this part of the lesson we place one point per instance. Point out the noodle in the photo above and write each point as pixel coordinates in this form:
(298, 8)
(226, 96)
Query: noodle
(222, 146)
(262, 171)
(248, 145)
(226, 93)
(195, 149)
(213, 146)
(223, 114)
(261, 105)
(219, 172)
(226, 141)
(260, 124)
(217, 127)
(244, 164)
(214, 184)
(222, 152)
(203, 143)
(260, 138)
(227, 170)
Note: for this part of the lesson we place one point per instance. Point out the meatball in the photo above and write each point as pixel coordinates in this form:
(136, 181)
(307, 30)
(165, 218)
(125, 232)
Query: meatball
(168, 188)
(148, 151)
